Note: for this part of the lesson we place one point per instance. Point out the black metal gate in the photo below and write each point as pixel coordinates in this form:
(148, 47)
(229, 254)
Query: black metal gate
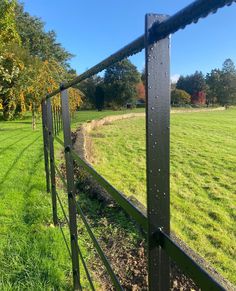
(156, 224)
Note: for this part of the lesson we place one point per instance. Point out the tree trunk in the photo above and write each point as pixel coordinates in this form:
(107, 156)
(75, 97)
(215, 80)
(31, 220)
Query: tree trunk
(33, 117)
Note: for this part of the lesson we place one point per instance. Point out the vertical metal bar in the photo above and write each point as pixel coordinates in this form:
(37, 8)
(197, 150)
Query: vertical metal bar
(55, 116)
(57, 130)
(59, 118)
(157, 147)
(70, 187)
(45, 143)
(52, 166)
(53, 119)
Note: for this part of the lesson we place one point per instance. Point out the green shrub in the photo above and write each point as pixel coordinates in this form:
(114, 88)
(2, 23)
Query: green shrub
(180, 97)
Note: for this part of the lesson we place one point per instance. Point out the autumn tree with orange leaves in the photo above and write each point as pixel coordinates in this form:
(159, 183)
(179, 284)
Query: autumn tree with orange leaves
(29, 72)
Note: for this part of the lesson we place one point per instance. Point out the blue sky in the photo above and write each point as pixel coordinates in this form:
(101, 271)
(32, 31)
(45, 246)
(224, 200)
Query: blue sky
(92, 30)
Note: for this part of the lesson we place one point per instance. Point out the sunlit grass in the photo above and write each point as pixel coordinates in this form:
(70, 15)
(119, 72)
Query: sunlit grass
(203, 177)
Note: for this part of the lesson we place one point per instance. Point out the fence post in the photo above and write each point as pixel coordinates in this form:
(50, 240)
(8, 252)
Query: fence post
(157, 147)
(70, 188)
(52, 165)
(45, 143)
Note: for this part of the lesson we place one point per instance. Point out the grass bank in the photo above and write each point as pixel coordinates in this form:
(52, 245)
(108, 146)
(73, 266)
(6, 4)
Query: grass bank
(203, 177)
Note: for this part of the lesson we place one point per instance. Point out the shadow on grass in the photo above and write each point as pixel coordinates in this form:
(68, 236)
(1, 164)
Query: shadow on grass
(10, 137)
(17, 159)
(30, 212)
(13, 129)
(13, 144)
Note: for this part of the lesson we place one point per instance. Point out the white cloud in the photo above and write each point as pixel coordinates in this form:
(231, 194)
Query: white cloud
(174, 78)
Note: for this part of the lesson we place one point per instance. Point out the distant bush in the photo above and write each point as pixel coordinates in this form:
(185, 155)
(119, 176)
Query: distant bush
(180, 97)
(140, 105)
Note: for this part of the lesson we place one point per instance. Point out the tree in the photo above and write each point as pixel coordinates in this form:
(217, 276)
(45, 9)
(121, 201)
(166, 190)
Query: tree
(214, 86)
(180, 97)
(10, 68)
(8, 30)
(192, 83)
(29, 72)
(228, 82)
(120, 81)
(222, 84)
(99, 97)
(40, 43)
(88, 87)
(10, 63)
(140, 91)
(228, 67)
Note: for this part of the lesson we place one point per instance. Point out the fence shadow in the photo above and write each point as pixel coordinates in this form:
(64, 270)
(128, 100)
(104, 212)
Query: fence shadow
(15, 161)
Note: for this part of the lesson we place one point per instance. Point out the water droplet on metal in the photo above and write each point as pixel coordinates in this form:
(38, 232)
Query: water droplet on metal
(152, 108)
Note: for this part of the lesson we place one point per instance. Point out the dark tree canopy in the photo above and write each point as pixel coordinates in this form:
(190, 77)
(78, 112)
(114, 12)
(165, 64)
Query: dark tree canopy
(228, 67)
(120, 81)
(88, 87)
(214, 86)
(222, 84)
(192, 83)
(40, 43)
(99, 97)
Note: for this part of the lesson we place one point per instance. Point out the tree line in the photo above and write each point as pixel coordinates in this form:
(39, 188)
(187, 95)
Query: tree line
(32, 62)
(217, 87)
(120, 85)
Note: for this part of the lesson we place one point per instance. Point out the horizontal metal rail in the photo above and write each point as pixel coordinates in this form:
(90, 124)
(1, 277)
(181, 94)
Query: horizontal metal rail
(183, 260)
(186, 263)
(95, 242)
(85, 268)
(99, 250)
(67, 220)
(60, 176)
(64, 237)
(63, 210)
(59, 140)
(190, 14)
(129, 207)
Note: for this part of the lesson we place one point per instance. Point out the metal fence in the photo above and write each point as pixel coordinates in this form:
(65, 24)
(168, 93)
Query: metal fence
(156, 224)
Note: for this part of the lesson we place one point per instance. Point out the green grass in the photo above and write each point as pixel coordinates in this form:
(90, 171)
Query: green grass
(203, 177)
(33, 255)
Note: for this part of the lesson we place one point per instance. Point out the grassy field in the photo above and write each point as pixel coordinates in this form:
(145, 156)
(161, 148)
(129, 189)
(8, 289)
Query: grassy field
(203, 177)
(32, 253)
